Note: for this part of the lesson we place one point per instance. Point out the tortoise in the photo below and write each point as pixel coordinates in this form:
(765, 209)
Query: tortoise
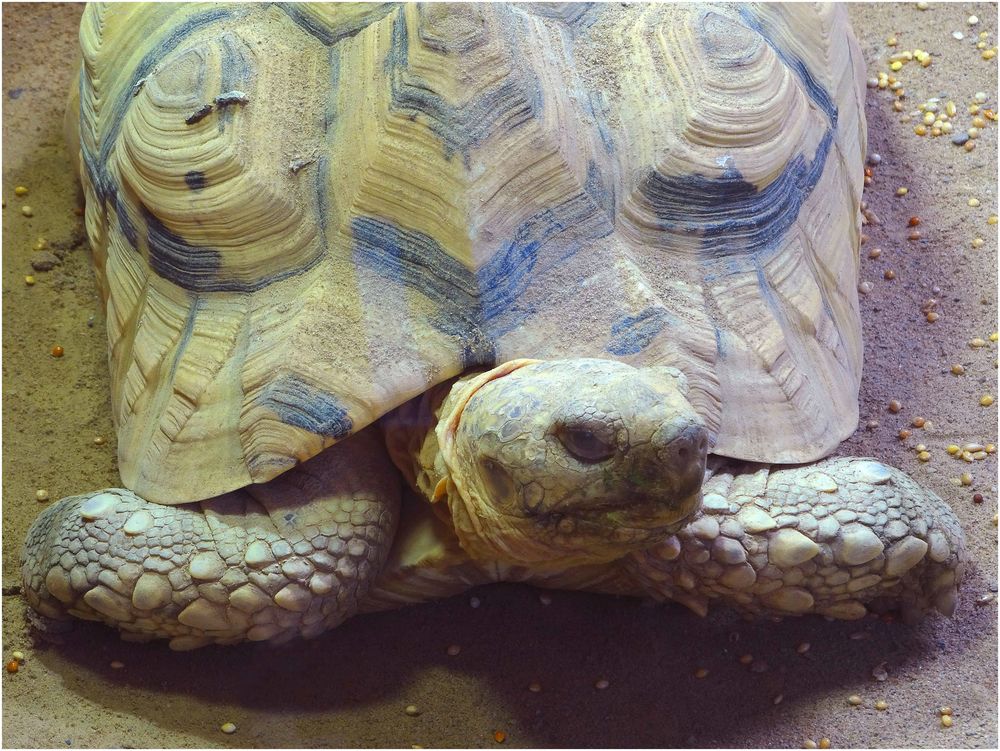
(402, 299)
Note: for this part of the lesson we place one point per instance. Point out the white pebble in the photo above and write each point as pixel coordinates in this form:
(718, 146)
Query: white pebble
(475, 602)
(958, 35)
(972, 20)
(545, 598)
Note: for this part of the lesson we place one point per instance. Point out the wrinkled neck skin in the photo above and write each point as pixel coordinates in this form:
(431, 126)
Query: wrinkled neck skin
(563, 463)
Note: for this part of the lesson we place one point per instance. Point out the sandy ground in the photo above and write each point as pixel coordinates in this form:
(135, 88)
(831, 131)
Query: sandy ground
(350, 687)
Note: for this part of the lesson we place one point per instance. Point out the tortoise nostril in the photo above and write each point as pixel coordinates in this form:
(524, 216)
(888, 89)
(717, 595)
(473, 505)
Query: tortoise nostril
(683, 454)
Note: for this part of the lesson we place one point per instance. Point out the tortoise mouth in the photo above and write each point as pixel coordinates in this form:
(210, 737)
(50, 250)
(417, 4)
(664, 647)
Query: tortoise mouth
(632, 525)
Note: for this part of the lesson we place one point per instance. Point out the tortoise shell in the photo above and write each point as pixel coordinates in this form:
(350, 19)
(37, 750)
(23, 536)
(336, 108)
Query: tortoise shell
(303, 216)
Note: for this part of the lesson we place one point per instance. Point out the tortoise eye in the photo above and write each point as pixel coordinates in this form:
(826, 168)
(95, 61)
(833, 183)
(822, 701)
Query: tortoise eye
(585, 444)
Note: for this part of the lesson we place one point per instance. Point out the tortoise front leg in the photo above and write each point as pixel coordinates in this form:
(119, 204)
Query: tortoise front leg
(287, 558)
(827, 538)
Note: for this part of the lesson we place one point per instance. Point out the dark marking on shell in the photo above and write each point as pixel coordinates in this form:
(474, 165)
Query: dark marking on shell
(327, 36)
(199, 114)
(632, 334)
(299, 403)
(731, 215)
(195, 180)
(173, 258)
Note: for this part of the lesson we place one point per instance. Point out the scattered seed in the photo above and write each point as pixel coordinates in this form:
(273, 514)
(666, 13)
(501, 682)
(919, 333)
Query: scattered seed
(986, 400)
(803, 647)
(889, 274)
(535, 687)
(601, 684)
(871, 424)
(932, 316)
(499, 736)
(701, 673)
(29, 280)
(454, 649)
(412, 710)
(977, 343)
(902, 191)
(978, 242)
(985, 599)
(865, 287)
(977, 498)
(969, 145)
(903, 434)
(994, 336)
(13, 666)
(117, 664)
(946, 721)
(923, 6)
(27, 211)
(20, 190)
(228, 728)
(778, 699)
(957, 369)
(958, 35)
(924, 456)
(953, 449)
(966, 478)
(919, 422)
(913, 236)
(972, 20)
(914, 221)
(854, 700)
(879, 672)
(746, 659)
(809, 744)
(895, 406)
(875, 252)
(57, 351)
(824, 743)
(881, 705)
(944, 711)
(41, 495)
(99, 440)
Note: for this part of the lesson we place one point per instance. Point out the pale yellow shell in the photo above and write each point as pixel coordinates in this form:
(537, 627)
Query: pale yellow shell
(303, 216)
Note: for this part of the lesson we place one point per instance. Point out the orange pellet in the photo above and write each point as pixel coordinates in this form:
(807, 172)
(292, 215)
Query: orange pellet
(914, 221)
(868, 171)
(499, 736)
(932, 316)
(57, 351)
(904, 434)
(13, 666)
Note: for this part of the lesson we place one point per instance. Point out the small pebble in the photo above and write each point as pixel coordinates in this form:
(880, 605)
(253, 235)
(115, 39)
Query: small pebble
(969, 145)
(803, 647)
(545, 598)
(746, 659)
(601, 684)
(972, 20)
(701, 673)
(875, 159)
(958, 35)
(27, 211)
(454, 649)
(895, 406)
(959, 139)
(41, 495)
(20, 190)
(865, 287)
(117, 664)
(778, 699)
(535, 687)
(475, 602)
(881, 705)
(854, 700)
(412, 710)
(228, 728)
(977, 498)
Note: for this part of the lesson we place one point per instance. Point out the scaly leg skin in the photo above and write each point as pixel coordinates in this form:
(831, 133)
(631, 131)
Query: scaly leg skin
(291, 557)
(827, 538)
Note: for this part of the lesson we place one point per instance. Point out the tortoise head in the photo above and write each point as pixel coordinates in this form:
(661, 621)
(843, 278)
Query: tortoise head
(570, 461)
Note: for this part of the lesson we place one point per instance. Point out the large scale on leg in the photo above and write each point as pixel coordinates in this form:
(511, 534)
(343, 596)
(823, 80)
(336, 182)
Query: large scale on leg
(639, 221)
